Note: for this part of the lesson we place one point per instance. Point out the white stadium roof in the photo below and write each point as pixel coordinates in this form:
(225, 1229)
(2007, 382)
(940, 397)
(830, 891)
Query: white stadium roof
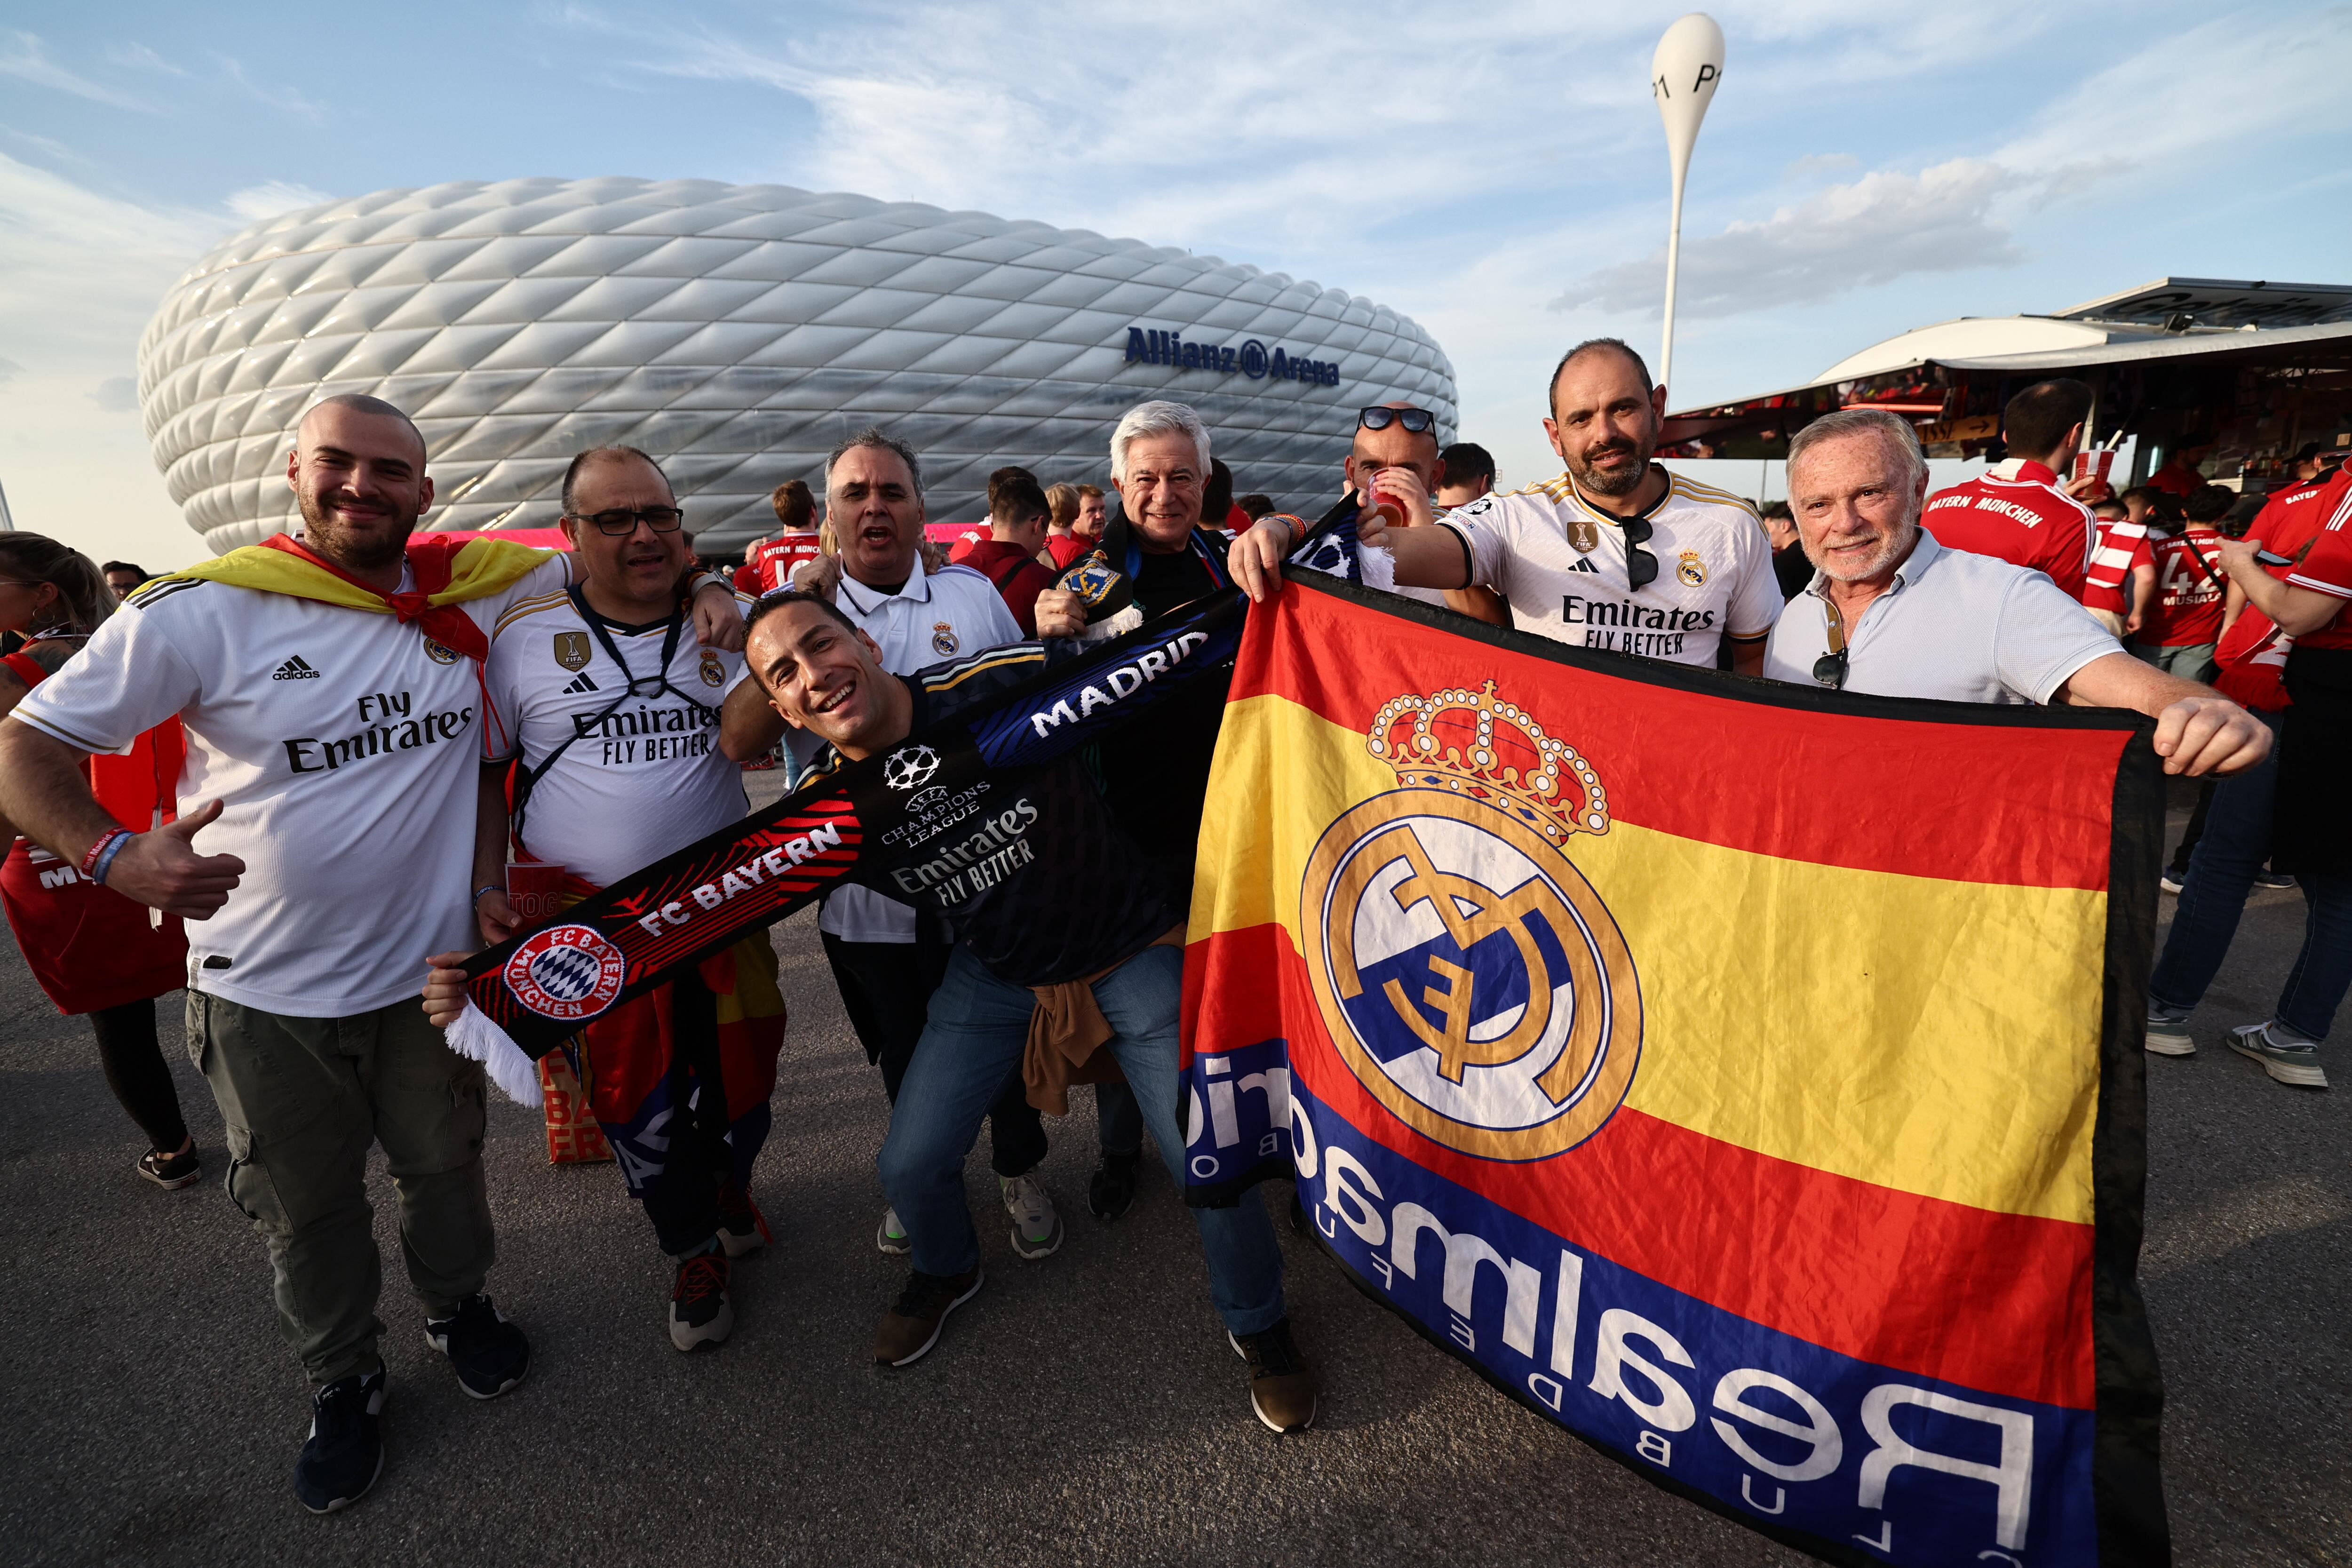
(736, 332)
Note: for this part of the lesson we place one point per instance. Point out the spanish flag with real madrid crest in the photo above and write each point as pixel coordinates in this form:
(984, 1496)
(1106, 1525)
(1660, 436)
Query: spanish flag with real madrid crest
(1747, 1078)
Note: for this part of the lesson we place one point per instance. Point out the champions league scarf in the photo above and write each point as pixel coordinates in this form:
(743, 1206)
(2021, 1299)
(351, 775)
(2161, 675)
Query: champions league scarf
(908, 806)
(447, 573)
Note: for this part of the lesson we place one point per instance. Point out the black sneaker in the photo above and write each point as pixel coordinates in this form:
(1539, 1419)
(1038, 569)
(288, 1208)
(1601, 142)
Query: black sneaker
(1111, 1188)
(743, 1228)
(490, 1352)
(912, 1325)
(172, 1171)
(700, 1315)
(1282, 1385)
(2272, 880)
(345, 1453)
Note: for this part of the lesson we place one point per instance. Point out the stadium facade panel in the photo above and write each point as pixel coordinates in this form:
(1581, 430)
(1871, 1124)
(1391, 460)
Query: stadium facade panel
(736, 332)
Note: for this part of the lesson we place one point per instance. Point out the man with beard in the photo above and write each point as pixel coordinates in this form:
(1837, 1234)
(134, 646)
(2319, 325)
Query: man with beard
(329, 691)
(1614, 553)
(1893, 613)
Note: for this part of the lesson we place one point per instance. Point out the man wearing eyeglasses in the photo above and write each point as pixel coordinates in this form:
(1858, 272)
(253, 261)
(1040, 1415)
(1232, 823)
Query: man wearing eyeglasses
(1614, 553)
(600, 726)
(1395, 456)
(1893, 612)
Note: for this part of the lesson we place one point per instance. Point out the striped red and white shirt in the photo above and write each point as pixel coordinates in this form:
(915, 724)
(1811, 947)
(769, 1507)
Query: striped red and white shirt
(2328, 566)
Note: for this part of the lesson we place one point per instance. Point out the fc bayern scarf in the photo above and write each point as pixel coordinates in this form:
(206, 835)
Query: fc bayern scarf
(907, 805)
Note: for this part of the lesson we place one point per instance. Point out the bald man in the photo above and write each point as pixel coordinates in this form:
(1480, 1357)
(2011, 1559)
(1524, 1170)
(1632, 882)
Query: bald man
(333, 732)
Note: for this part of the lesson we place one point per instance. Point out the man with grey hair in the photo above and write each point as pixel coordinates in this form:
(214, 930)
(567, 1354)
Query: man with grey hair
(1893, 613)
(887, 961)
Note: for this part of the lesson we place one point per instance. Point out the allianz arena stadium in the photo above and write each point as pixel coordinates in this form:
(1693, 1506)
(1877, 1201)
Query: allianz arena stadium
(736, 332)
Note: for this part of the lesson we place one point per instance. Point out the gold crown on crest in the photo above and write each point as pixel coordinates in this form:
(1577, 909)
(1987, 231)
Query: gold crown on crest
(1474, 744)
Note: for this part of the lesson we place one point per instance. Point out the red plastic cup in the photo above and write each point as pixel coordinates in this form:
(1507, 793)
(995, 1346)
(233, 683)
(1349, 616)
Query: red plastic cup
(2094, 463)
(535, 889)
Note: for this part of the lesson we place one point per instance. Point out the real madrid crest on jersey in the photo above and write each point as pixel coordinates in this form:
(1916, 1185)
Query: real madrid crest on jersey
(572, 649)
(711, 671)
(438, 654)
(1472, 980)
(943, 639)
(1690, 569)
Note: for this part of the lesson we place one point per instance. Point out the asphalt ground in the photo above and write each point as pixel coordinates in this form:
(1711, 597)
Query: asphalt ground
(1082, 1409)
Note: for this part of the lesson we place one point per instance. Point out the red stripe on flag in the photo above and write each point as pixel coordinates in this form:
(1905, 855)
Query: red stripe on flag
(1991, 1301)
(1670, 762)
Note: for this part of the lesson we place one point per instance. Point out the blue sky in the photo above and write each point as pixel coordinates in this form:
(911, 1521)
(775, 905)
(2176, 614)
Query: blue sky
(1497, 172)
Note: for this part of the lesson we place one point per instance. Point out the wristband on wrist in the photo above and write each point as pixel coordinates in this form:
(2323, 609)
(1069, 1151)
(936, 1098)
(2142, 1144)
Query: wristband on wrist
(487, 888)
(100, 855)
(711, 580)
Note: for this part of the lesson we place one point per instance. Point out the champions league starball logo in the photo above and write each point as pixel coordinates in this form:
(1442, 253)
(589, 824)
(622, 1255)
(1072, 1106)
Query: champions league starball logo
(566, 972)
(1470, 977)
(908, 766)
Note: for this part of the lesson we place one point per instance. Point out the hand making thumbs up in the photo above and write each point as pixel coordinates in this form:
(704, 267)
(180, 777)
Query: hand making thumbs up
(162, 869)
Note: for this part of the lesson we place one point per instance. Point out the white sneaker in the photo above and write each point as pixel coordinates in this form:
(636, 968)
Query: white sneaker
(1037, 1227)
(890, 1236)
(2286, 1059)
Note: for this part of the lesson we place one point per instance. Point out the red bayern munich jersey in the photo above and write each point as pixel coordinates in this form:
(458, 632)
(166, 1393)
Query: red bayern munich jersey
(2328, 566)
(768, 564)
(2015, 511)
(2119, 544)
(2187, 611)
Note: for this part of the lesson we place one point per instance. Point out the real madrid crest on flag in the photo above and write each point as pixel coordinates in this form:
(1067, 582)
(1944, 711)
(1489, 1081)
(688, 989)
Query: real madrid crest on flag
(1471, 978)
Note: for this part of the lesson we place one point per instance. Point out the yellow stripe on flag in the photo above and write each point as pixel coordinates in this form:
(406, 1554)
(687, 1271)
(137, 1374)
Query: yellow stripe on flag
(1945, 1026)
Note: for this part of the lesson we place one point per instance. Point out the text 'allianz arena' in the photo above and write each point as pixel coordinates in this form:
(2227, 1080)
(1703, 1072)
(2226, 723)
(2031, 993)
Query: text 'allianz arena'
(736, 332)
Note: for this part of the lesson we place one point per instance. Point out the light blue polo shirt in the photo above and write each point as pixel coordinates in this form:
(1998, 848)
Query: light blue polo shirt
(1955, 625)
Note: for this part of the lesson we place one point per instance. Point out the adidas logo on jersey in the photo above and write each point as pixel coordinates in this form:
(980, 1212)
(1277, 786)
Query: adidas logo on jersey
(1583, 564)
(580, 683)
(295, 668)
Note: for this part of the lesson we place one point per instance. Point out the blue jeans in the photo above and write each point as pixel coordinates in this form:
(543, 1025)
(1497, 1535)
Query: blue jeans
(979, 1026)
(2237, 841)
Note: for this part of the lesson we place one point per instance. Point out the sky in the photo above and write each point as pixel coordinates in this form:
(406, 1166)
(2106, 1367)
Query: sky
(1497, 173)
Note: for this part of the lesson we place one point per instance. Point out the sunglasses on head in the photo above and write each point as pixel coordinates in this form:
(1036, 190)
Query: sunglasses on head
(1419, 421)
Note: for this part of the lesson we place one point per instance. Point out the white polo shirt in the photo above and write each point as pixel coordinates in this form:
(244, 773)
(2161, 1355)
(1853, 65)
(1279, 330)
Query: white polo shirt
(1955, 625)
(344, 747)
(1561, 561)
(933, 618)
(637, 771)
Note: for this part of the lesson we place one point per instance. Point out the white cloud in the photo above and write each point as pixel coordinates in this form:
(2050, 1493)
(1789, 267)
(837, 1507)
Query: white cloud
(138, 57)
(281, 98)
(116, 395)
(27, 60)
(256, 202)
(1880, 228)
(1819, 163)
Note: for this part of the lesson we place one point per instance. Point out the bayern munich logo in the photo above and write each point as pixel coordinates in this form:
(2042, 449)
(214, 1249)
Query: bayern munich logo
(1469, 976)
(567, 972)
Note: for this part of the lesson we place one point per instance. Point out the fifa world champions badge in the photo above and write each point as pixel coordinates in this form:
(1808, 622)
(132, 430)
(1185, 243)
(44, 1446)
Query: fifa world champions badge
(567, 972)
(1470, 977)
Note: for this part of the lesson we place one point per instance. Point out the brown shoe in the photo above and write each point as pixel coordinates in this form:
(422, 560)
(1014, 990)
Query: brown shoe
(911, 1328)
(1281, 1387)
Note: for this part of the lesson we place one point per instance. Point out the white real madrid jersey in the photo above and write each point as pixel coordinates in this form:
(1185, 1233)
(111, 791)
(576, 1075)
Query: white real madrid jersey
(1560, 561)
(935, 617)
(343, 745)
(636, 770)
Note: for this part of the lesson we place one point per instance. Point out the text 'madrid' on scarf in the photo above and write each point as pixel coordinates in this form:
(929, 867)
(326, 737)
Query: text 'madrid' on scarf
(447, 573)
(856, 825)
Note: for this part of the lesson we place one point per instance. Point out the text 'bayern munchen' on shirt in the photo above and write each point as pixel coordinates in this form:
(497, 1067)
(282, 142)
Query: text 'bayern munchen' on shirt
(343, 745)
(1559, 560)
(624, 756)
(1031, 872)
(2015, 512)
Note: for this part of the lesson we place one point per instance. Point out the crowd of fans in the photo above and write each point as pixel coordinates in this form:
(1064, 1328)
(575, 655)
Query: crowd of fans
(589, 712)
